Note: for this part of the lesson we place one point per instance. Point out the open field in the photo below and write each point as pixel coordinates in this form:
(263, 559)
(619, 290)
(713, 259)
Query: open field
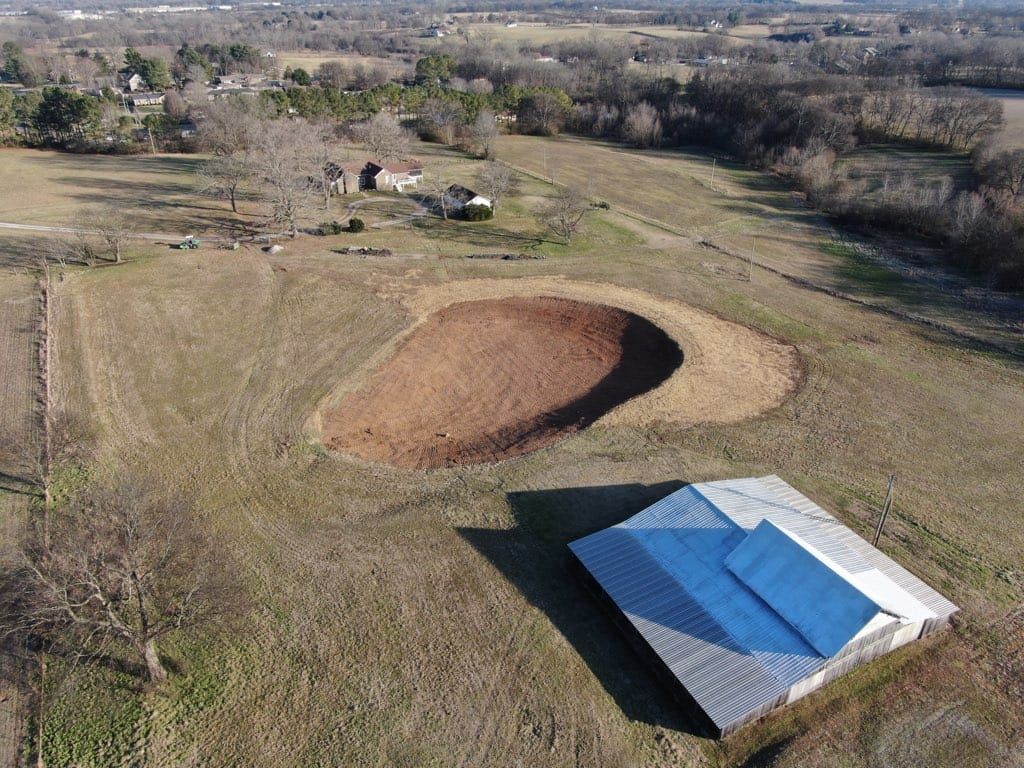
(310, 60)
(19, 454)
(750, 215)
(1012, 133)
(19, 318)
(57, 188)
(538, 34)
(431, 618)
(872, 163)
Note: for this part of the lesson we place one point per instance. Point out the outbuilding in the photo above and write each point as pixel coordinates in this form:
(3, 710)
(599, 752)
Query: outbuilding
(745, 595)
(458, 197)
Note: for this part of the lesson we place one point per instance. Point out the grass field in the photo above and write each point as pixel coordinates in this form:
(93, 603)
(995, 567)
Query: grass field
(158, 192)
(431, 618)
(538, 34)
(19, 453)
(1012, 133)
(746, 213)
(311, 60)
(872, 163)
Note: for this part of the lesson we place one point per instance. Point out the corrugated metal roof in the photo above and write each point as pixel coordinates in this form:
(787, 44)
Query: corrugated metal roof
(803, 587)
(666, 570)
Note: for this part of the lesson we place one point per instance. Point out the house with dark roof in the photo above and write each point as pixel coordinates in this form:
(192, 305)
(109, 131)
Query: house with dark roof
(458, 197)
(147, 99)
(744, 596)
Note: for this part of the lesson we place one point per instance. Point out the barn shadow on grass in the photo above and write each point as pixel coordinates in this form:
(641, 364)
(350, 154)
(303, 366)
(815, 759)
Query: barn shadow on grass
(534, 556)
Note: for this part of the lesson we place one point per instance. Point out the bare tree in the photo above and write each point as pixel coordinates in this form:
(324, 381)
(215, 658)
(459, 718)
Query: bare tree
(384, 137)
(564, 213)
(322, 147)
(438, 184)
(497, 181)
(483, 133)
(332, 74)
(643, 126)
(225, 176)
(121, 567)
(1004, 171)
(231, 125)
(114, 229)
(542, 113)
(174, 103)
(440, 118)
(284, 166)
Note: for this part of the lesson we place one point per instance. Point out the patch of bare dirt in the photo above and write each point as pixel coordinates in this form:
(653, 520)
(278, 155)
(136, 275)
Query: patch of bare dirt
(491, 379)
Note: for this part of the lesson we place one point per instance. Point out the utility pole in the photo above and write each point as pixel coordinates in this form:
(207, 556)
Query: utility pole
(714, 162)
(750, 259)
(886, 507)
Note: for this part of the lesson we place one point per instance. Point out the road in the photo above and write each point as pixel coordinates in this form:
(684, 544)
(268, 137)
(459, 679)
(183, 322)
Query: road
(73, 231)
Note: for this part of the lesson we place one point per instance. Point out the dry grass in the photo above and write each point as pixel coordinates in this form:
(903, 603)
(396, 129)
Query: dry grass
(410, 618)
(537, 34)
(56, 188)
(872, 163)
(19, 452)
(19, 318)
(311, 60)
(1012, 133)
(745, 213)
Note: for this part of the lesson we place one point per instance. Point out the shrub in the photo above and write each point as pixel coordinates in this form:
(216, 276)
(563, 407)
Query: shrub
(356, 225)
(330, 228)
(477, 212)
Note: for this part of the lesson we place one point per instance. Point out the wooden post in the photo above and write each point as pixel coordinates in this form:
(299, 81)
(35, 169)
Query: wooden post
(714, 163)
(886, 507)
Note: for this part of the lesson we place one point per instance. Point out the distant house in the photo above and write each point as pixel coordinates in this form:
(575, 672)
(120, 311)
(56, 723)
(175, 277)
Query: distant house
(708, 61)
(458, 197)
(147, 99)
(134, 82)
(188, 128)
(239, 79)
(223, 93)
(391, 177)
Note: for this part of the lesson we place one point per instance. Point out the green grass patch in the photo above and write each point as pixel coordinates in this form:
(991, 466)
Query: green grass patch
(751, 312)
(95, 720)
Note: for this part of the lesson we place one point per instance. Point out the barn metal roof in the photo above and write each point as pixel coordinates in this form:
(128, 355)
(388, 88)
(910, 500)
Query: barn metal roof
(745, 587)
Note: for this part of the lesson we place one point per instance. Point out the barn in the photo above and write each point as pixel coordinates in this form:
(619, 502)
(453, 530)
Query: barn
(745, 596)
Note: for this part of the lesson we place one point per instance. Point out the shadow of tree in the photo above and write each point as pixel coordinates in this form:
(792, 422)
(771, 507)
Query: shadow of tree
(535, 557)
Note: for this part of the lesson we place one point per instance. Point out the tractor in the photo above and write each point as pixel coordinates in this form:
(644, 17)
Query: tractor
(190, 243)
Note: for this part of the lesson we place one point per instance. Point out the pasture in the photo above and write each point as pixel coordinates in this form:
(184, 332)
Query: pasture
(1011, 135)
(311, 60)
(873, 163)
(536, 34)
(409, 617)
(158, 192)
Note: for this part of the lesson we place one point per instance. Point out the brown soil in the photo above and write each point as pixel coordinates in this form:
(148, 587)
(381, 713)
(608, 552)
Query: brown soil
(486, 380)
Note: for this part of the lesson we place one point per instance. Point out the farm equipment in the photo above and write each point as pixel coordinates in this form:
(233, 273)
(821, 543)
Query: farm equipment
(190, 243)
